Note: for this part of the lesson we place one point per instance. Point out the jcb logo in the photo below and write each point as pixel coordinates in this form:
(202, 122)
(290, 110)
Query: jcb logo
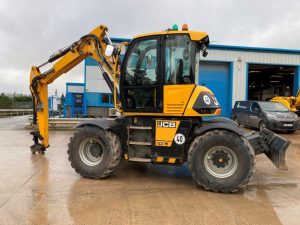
(166, 124)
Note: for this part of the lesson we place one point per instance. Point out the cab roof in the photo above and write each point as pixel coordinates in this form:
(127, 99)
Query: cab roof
(194, 35)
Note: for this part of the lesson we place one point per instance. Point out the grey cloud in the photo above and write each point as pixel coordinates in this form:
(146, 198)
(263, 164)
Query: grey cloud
(32, 30)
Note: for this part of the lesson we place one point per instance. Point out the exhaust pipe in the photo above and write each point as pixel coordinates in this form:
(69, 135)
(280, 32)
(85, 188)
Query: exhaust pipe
(271, 144)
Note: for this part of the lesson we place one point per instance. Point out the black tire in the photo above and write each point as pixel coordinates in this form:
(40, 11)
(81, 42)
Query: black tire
(94, 153)
(235, 119)
(240, 173)
(291, 131)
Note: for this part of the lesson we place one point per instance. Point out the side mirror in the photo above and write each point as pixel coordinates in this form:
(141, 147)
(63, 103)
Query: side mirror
(204, 53)
(109, 50)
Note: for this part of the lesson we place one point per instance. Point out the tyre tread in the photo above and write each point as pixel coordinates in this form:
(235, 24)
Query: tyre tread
(115, 154)
(202, 138)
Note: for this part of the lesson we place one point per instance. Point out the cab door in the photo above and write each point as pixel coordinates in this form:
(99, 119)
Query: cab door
(141, 86)
(179, 55)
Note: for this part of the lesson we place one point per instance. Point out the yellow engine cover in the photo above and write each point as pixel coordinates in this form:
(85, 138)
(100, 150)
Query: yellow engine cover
(176, 98)
(179, 100)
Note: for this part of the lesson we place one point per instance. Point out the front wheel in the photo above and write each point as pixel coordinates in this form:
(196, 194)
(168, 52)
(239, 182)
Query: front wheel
(221, 161)
(262, 125)
(94, 153)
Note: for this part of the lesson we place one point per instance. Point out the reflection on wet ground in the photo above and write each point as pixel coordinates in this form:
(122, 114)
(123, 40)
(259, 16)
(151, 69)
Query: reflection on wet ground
(37, 189)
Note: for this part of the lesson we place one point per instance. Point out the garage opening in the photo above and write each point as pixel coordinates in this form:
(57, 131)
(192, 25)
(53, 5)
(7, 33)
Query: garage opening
(267, 81)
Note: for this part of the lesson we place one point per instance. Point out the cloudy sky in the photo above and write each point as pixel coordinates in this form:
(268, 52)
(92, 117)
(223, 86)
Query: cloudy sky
(31, 30)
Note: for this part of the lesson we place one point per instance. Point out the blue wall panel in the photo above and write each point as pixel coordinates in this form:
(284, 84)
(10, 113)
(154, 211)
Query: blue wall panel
(95, 99)
(89, 61)
(70, 102)
(297, 81)
(216, 77)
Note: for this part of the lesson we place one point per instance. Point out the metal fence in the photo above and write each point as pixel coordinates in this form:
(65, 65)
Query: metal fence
(56, 122)
(14, 112)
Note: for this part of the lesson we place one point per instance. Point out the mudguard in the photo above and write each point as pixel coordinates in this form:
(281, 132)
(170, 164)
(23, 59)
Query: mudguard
(222, 120)
(102, 123)
(118, 125)
(219, 125)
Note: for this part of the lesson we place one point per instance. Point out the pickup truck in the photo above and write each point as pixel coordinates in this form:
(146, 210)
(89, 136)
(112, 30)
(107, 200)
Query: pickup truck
(263, 114)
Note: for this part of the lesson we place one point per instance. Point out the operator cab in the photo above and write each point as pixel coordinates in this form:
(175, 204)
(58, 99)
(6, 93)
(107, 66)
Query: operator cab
(154, 61)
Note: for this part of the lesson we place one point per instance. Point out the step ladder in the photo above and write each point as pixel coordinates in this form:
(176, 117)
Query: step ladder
(139, 128)
(131, 142)
(135, 159)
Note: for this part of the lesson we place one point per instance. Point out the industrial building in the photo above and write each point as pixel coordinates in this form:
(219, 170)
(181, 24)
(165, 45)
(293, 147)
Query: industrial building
(249, 73)
(231, 72)
(55, 106)
(92, 98)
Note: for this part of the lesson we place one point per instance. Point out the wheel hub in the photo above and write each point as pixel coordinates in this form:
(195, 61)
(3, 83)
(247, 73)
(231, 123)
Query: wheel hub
(91, 152)
(95, 150)
(220, 159)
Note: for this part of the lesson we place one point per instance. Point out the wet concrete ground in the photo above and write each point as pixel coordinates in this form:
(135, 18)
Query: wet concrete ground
(44, 189)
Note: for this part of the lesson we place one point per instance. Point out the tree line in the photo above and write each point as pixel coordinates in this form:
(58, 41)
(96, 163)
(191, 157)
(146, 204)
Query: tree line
(15, 101)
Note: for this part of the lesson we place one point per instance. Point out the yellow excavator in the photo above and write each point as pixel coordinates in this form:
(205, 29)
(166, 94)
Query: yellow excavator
(162, 109)
(290, 102)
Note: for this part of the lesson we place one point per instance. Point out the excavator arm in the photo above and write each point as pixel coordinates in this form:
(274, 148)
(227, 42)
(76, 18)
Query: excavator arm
(97, 45)
(291, 102)
(297, 99)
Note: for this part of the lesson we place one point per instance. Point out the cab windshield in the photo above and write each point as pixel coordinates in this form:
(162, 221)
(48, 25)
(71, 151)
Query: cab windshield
(273, 107)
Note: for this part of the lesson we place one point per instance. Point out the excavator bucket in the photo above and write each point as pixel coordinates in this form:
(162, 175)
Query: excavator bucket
(271, 144)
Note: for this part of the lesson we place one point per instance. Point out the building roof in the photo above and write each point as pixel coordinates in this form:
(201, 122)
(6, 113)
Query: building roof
(234, 47)
(254, 49)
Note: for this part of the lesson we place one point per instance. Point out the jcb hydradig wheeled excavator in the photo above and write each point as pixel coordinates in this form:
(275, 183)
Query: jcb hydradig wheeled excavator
(161, 108)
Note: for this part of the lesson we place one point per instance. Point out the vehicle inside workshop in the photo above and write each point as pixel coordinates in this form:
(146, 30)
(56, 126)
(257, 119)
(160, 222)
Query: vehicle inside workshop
(268, 81)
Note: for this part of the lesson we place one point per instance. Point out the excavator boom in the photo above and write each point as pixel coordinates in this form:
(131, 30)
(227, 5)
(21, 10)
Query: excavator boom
(94, 45)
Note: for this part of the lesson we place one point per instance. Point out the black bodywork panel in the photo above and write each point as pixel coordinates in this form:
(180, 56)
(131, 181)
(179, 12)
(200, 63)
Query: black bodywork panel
(176, 151)
(205, 107)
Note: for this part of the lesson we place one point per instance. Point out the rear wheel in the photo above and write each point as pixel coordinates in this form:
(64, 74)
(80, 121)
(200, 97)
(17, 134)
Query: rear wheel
(221, 161)
(93, 152)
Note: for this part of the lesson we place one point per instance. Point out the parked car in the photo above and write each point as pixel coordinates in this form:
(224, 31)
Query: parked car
(259, 114)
